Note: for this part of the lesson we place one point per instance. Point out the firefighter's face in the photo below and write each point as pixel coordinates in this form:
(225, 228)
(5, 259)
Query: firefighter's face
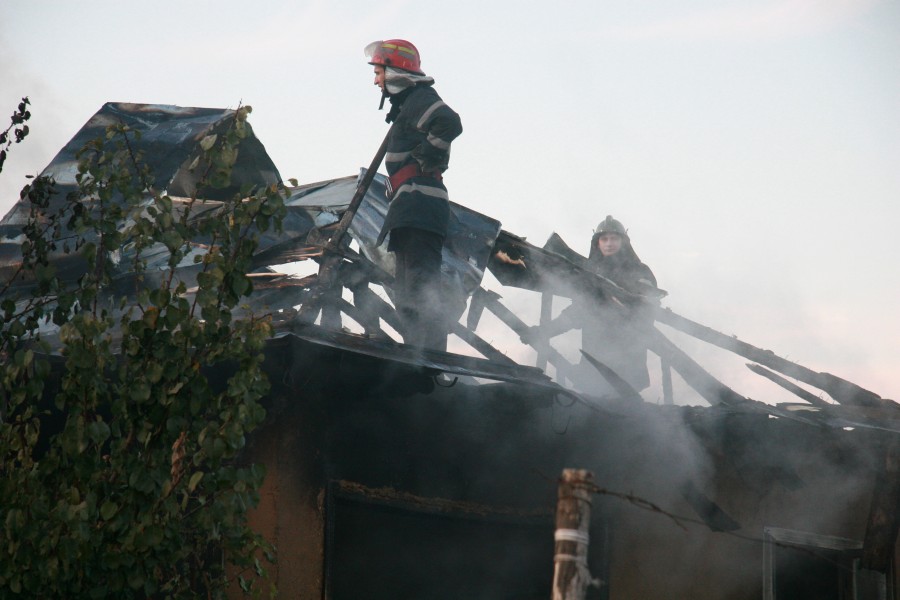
(379, 76)
(609, 243)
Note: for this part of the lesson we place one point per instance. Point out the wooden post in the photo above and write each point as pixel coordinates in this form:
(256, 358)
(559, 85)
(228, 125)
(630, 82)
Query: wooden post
(666, 368)
(713, 391)
(490, 300)
(332, 255)
(546, 316)
(571, 576)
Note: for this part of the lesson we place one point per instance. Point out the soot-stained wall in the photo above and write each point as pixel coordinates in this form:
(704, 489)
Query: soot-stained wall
(376, 490)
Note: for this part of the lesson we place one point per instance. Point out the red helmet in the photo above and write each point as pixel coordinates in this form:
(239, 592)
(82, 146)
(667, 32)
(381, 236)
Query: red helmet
(399, 54)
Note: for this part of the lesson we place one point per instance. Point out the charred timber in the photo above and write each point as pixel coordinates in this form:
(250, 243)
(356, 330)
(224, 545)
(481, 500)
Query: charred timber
(517, 263)
(480, 344)
(841, 390)
(713, 391)
(491, 300)
(789, 386)
(622, 387)
(393, 498)
(333, 257)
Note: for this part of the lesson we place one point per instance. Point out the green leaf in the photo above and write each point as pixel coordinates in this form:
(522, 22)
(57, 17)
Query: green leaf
(98, 431)
(135, 579)
(140, 391)
(16, 329)
(154, 372)
(195, 480)
(101, 514)
(208, 142)
(160, 297)
(172, 240)
(240, 284)
(108, 510)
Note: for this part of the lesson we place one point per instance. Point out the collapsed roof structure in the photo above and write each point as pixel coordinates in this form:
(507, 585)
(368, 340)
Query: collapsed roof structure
(342, 402)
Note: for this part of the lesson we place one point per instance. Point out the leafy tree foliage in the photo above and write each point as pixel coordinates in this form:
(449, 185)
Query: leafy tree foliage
(119, 470)
(17, 127)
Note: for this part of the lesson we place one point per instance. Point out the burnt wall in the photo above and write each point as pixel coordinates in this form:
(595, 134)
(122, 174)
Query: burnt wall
(382, 484)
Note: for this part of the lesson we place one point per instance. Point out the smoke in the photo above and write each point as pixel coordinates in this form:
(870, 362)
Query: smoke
(783, 19)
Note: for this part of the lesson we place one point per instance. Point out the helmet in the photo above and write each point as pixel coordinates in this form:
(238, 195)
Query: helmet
(610, 225)
(399, 54)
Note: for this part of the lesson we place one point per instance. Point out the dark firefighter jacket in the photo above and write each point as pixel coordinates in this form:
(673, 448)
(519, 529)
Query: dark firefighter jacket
(612, 329)
(422, 133)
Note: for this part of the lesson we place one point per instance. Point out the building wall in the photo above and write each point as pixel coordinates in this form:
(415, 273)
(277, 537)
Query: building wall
(490, 455)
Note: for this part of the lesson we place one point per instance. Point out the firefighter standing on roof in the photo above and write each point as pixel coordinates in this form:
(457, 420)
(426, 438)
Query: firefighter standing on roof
(418, 153)
(612, 329)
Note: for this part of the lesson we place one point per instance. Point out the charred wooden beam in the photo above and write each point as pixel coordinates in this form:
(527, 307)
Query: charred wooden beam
(555, 268)
(311, 245)
(368, 303)
(491, 301)
(873, 418)
(368, 310)
(841, 390)
(479, 344)
(355, 274)
(713, 391)
(789, 386)
(360, 272)
(356, 277)
(398, 499)
(625, 390)
(368, 307)
(546, 317)
(372, 307)
(329, 301)
(333, 256)
(666, 375)
(268, 281)
(476, 309)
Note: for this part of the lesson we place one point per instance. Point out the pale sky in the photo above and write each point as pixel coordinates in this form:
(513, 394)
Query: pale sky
(752, 148)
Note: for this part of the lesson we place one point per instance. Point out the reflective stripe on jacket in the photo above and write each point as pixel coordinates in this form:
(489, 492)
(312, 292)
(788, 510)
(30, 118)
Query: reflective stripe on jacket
(422, 134)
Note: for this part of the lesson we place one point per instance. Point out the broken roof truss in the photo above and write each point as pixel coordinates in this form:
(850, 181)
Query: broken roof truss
(475, 244)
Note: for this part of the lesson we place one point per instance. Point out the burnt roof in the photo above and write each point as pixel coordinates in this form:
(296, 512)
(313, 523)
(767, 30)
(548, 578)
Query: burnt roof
(475, 244)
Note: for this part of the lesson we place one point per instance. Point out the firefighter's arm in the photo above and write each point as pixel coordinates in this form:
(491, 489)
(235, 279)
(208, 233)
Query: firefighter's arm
(441, 126)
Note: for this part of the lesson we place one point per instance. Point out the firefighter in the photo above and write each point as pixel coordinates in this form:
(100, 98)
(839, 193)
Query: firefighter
(611, 327)
(418, 153)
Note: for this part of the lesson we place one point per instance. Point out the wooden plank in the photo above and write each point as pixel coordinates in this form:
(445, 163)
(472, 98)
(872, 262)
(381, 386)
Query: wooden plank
(546, 317)
(625, 390)
(841, 390)
(666, 374)
(480, 344)
(713, 391)
(332, 258)
(789, 386)
(491, 301)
